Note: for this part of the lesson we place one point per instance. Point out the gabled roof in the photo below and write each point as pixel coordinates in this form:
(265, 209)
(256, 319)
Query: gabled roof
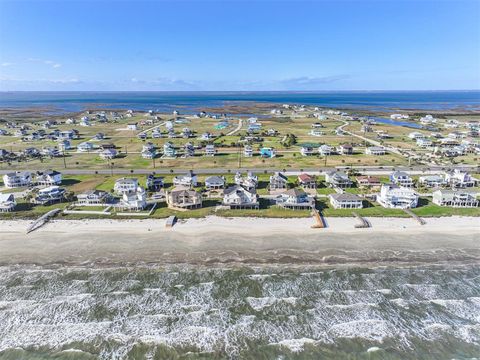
(236, 188)
(345, 197)
(6, 197)
(215, 179)
(305, 177)
(294, 192)
(281, 176)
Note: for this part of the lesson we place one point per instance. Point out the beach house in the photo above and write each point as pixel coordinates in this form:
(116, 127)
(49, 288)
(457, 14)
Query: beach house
(267, 152)
(306, 150)
(85, 147)
(49, 195)
(7, 202)
(154, 183)
(295, 199)
(248, 151)
(48, 178)
(210, 150)
(316, 132)
(397, 197)
(169, 150)
(17, 179)
(325, 150)
(346, 201)
(401, 178)
(156, 134)
(432, 181)
(214, 182)
(149, 153)
(375, 150)
(307, 181)
(188, 150)
(455, 198)
(206, 136)
(459, 179)
(183, 198)
(132, 126)
(278, 181)
(64, 145)
(50, 151)
(124, 185)
(345, 149)
(135, 200)
(93, 198)
(416, 135)
(368, 181)
(237, 197)
(249, 182)
(187, 180)
(424, 143)
(338, 179)
(67, 135)
(108, 154)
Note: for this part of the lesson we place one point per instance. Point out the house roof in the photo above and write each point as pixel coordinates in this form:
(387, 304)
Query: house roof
(345, 197)
(235, 188)
(370, 179)
(127, 180)
(294, 192)
(6, 197)
(280, 175)
(215, 179)
(305, 177)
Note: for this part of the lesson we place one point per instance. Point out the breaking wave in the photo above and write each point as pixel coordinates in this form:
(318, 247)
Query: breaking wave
(158, 312)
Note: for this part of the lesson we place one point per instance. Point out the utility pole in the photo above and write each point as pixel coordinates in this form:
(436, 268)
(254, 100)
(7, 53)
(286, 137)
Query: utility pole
(64, 162)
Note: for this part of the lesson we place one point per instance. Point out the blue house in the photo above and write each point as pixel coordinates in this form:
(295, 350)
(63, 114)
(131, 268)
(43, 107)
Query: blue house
(267, 152)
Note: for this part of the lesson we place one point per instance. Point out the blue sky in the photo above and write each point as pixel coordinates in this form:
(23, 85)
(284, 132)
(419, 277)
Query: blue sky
(239, 45)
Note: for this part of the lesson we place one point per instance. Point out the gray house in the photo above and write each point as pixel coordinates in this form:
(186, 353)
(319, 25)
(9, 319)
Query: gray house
(278, 181)
(338, 179)
(454, 198)
(238, 197)
(295, 199)
(346, 201)
(214, 182)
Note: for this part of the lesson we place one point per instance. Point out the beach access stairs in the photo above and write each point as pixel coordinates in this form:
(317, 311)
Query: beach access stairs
(363, 223)
(415, 216)
(42, 220)
(319, 220)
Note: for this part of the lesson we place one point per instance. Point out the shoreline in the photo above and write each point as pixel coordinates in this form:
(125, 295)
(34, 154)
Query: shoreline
(261, 241)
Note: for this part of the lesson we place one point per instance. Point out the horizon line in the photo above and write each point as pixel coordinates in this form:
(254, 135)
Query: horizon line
(239, 91)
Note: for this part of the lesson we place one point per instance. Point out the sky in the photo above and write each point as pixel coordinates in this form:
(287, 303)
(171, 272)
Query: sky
(239, 45)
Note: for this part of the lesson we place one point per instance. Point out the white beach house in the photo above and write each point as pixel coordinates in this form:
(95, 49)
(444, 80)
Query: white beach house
(455, 198)
(17, 179)
(397, 197)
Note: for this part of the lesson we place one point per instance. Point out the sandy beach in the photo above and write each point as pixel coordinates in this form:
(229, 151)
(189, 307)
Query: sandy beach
(249, 240)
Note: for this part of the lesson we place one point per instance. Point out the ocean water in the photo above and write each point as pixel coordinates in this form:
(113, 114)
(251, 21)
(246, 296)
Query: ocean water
(192, 101)
(240, 312)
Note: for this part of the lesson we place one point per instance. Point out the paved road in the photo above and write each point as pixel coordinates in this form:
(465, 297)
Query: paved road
(373, 142)
(240, 124)
(368, 170)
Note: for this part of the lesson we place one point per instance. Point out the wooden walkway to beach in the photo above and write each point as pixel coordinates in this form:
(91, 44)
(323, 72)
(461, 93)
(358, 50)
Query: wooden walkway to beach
(415, 216)
(319, 220)
(363, 223)
(42, 220)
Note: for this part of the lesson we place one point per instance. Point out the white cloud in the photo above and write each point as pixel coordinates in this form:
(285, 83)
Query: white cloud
(50, 63)
(7, 64)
